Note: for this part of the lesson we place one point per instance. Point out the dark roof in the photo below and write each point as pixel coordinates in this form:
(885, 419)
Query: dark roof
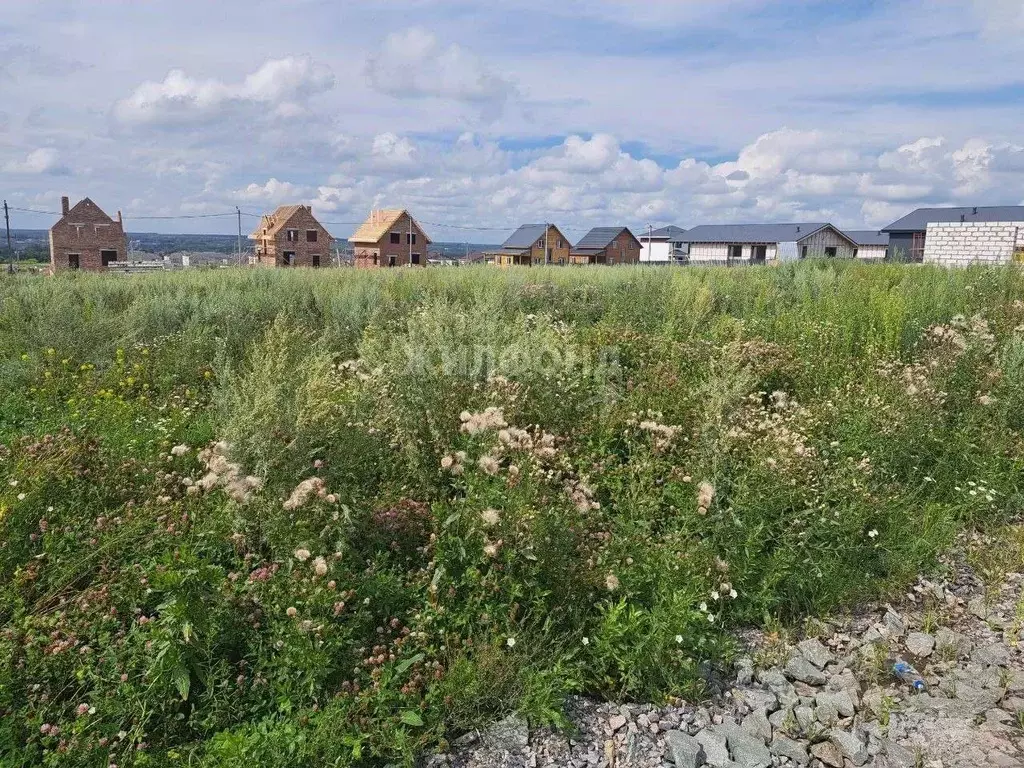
(919, 220)
(664, 233)
(867, 236)
(599, 237)
(750, 233)
(525, 236)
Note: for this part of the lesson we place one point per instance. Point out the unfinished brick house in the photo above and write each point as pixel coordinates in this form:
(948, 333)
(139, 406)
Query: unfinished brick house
(607, 245)
(390, 238)
(86, 238)
(291, 237)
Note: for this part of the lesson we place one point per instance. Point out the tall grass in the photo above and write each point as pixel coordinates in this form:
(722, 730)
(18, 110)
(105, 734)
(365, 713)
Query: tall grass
(280, 517)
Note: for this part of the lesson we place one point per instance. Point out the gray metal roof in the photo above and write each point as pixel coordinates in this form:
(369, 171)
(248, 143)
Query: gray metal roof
(919, 220)
(599, 237)
(525, 236)
(867, 236)
(750, 233)
(664, 233)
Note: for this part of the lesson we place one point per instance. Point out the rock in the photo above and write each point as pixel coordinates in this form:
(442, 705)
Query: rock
(948, 641)
(780, 719)
(977, 607)
(715, 750)
(685, 750)
(872, 636)
(800, 669)
(509, 734)
(780, 686)
(828, 753)
(747, 750)
(757, 699)
(992, 655)
(786, 747)
(757, 724)
(920, 644)
(845, 681)
(815, 652)
(892, 755)
(894, 623)
(850, 745)
(466, 740)
(744, 671)
(872, 700)
(829, 707)
(804, 718)
(1013, 704)
(616, 722)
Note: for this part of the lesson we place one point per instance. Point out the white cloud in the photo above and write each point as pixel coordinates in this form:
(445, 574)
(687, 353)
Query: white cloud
(284, 84)
(273, 191)
(414, 63)
(38, 161)
(1001, 18)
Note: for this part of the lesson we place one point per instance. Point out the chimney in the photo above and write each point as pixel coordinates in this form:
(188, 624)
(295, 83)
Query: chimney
(119, 218)
(65, 205)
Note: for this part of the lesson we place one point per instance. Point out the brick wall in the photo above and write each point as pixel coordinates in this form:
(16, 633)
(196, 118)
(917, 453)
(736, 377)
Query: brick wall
(958, 244)
(271, 250)
(84, 233)
(379, 254)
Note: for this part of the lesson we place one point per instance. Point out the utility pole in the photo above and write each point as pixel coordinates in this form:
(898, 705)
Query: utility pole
(650, 242)
(10, 249)
(239, 212)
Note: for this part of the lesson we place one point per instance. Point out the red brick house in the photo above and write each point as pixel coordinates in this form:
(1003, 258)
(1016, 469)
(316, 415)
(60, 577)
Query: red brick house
(86, 238)
(292, 237)
(607, 245)
(390, 238)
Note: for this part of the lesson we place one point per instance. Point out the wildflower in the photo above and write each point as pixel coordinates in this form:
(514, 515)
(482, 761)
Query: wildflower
(705, 495)
(872, 533)
(986, 400)
(611, 582)
(703, 607)
(21, 497)
(490, 517)
(711, 618)
(732, 593)
(179, 450)
(586, 641)
(715, 596)
(320, 566)
(488, 464)
(301, 554)
(490, 418)
(491, 550)
(511, 642)
(292, 612)
(679, 639)
(304, 491)
(82, 709)
(447, 461)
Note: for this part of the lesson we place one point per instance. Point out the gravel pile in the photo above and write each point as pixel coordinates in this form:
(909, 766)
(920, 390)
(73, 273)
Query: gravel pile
(828, 700)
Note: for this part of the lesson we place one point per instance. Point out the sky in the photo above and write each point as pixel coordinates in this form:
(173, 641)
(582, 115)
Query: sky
(480, 116)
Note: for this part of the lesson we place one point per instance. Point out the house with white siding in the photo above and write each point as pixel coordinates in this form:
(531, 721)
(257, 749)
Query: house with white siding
(871, 244)
(663, 246)
(959, 236)
(734, 244)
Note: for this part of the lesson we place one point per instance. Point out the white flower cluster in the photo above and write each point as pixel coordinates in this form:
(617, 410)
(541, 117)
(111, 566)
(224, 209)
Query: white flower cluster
(309, 488)
(582, 495)
(705, 495)
(490, 418)
(452, 462)
(226, 474)
(663, 434)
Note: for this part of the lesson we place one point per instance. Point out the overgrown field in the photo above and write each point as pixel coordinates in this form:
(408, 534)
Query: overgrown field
(333, 518)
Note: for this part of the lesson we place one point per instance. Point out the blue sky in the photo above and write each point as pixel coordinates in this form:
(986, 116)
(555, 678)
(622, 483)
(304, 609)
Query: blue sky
(582, 112)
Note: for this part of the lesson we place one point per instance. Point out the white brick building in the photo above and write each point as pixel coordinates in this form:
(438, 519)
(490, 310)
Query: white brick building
(959, 236)
(959, 244)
